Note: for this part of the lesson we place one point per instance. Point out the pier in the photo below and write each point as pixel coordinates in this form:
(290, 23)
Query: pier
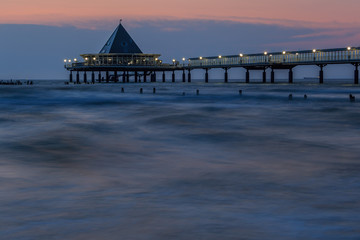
(121, 60)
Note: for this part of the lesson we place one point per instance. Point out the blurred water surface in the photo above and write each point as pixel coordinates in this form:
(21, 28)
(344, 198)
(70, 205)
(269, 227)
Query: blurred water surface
(90, 162)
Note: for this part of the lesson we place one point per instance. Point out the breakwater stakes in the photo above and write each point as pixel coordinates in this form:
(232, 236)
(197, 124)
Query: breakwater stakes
(121, 60)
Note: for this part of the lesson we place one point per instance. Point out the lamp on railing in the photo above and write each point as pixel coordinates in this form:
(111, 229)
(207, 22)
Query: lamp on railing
(314, 51)
(349, 54)
(174, 61)
(265, 53)
(183, 59)
(241, 55)
(284, 53)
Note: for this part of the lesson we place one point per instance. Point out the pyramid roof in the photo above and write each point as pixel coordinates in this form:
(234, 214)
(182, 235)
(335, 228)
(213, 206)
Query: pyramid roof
(120, 42)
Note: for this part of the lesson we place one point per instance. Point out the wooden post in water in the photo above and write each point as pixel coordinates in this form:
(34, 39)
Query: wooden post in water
(264, 75)
(247, 76)
(321, 77)
(183, 76)
(356, 73)
(77, 77)
(71, 77)
(173, 76)
(85, 77)
(290, 75)
(116, 76)
(153, 77)
(272, 76)
(163, 76)
(145, 76)
(206, 75)
(226, 77)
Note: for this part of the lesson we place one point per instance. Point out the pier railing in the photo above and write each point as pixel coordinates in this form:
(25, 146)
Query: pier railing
(100, 64)
(308, 57)
(149, 64)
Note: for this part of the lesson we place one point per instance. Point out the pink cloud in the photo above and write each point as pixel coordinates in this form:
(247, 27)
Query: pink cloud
(87, 13)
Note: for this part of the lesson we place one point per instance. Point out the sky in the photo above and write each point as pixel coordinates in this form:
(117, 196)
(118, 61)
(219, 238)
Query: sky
(32, 31)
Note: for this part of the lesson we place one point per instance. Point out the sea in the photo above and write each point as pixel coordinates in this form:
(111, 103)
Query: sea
(190, 161)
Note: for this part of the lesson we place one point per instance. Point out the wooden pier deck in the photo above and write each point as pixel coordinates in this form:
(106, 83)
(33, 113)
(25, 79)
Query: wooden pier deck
(112, 70)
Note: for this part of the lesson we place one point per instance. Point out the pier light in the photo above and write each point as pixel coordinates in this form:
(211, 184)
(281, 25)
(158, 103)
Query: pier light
(220, 56)
(284, 52)
(348, 48)
(265, 53)
(314, 50)
(156, 59)
(94, 58)
(270, 55)
(297, 54)
(69, 60)
(75, 60)
(65, 60)
(86, 59)
(184, 59)
(200, 58)
(241, 55)
(173, 60)
(110, 59)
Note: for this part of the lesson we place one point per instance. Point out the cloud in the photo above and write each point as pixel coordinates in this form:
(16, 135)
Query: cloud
(330, 33)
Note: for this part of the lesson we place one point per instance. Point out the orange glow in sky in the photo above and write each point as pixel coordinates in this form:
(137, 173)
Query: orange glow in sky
(310, 13)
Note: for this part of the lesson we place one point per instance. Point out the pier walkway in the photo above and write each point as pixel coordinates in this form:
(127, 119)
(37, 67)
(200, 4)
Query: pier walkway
(121, 59)
(140, 66)
(280, 60)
